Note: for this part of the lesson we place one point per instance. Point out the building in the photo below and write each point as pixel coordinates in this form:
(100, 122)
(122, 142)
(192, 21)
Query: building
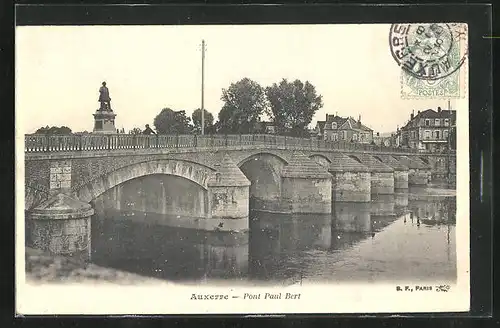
(384, 139)
(265, 127)
(337, 128)
(429, 130)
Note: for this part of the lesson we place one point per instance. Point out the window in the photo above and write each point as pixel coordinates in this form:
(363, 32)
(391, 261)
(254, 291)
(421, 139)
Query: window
(335, 137)
(413, 134)
(334, 126)
(427, 122)
(437, 122)
(445, 135)
(446, 122)
(427, 134)
(344, 135)
(355, 137)
(436, 134)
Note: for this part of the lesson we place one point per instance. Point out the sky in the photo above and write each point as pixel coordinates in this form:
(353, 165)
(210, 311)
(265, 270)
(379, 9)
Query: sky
(59, 70)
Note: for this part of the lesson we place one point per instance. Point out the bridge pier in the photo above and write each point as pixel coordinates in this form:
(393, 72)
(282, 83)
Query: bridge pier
(351, 180)
(306, 186)
(61, 226)
(382, 176)
(418, 175)
(228, 198)
(400, 171)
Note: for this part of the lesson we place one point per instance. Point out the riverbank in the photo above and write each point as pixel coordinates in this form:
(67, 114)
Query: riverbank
(45, 268)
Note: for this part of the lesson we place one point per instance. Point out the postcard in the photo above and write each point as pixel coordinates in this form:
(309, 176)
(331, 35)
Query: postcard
(242, 169)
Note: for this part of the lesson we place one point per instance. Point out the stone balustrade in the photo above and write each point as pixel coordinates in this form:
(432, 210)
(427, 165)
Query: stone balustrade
(36, 143)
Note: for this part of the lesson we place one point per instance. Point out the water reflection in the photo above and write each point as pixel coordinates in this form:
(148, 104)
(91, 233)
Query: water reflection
(167, 252)
(399, 236)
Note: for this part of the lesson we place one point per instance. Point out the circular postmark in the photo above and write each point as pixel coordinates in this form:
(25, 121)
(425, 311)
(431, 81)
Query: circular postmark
(429, 51)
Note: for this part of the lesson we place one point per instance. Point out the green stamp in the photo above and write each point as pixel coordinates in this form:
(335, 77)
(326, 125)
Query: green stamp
(432, 58)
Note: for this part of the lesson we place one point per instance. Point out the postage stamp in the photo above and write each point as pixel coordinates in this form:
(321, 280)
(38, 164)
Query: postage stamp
(432, 58)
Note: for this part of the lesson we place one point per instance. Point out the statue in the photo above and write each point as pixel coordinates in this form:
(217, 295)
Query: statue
(104, 98)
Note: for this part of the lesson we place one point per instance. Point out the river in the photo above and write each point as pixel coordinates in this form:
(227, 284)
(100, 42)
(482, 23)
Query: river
(406, 236)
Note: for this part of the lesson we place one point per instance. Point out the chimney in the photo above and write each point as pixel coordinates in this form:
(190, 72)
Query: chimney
(326, 117)
(378, 134)
(359, 118)
(412, 116)
(418, 112)
(439, 109)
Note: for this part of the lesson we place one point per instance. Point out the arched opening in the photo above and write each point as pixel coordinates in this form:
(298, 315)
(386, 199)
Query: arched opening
(148, 225)
(264, 173)
(265, 181)
(157, 193)
(355, 158)
(425, 160)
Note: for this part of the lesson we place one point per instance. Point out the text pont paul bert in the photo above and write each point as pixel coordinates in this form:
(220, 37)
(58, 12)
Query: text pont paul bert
(271, 296)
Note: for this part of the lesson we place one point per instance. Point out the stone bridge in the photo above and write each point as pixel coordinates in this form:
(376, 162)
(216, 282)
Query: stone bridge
(64, 175)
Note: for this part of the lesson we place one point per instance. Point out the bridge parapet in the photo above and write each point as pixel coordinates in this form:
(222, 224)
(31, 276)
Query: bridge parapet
(76, 143)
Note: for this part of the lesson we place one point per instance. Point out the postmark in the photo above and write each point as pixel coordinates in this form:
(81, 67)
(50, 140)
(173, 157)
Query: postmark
(432, 58)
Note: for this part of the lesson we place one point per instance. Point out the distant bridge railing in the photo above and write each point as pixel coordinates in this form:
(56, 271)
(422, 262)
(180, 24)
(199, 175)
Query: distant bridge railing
(36, 143)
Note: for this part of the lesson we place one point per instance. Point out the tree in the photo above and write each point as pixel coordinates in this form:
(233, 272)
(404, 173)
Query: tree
(196, 119)
(54, 130)
(292, 106)
(172, 122)
(135, 131)
(244, 103)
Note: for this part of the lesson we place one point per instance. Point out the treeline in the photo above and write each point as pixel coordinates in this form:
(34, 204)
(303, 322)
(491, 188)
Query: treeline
(290, 107)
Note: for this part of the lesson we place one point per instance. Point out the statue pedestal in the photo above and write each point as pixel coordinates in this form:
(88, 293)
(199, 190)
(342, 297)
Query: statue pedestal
(104, 122)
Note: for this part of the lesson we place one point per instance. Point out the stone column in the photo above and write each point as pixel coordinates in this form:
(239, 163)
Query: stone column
(351, 180)
(61, 226)
(400, 171)
(306, 186)
(425, 169)
(228, 198)
(417, 175)
(382, 175)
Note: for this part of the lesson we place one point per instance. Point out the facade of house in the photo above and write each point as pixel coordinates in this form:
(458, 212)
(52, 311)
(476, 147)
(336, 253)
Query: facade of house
(384, 139)
(337, 128)
(265, 127)
(429, 130)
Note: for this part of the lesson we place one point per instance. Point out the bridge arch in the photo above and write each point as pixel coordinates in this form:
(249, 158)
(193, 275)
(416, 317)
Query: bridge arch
(197, 173)
(356, 158)
(263, 169)
(321, 160)
(424, 159)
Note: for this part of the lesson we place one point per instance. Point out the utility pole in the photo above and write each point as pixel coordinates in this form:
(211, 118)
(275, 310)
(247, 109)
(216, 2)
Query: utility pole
(202, 87)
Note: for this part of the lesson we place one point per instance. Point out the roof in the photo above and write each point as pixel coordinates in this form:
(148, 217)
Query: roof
(373, 163)
(228, 175)
(321, 125)
(412, 164)
(344, 163)
(394, 163)
(432, 114)
(341, 122)
(300, 166)
(421, 162)
(62, 206)
(357, 125)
